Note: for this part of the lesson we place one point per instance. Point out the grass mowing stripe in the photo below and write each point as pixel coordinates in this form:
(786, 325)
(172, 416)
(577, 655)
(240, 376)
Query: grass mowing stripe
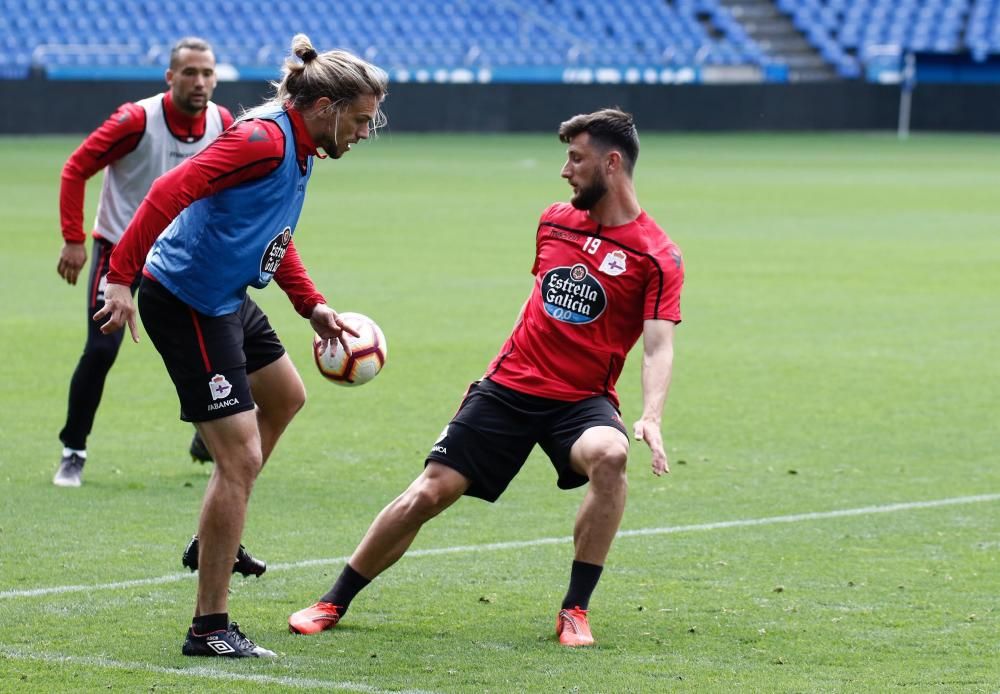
(521, 544)
(196, 672)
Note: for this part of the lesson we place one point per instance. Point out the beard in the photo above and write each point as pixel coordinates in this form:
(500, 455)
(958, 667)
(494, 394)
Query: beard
(587, 198)
(192, 104)
(332, 151)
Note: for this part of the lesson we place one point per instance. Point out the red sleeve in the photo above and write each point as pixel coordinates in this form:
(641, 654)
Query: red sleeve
(227, 117)
(663, 291)
(295, 281)
(249, 151)
(116, 137)
(538, 237)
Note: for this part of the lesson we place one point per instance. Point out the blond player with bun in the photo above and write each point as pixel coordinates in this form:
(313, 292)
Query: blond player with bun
(219, 223)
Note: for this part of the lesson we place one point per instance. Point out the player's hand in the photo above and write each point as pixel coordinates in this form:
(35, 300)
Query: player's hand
(649, 431)
(72, 258)
(329, 326)
(119, 310)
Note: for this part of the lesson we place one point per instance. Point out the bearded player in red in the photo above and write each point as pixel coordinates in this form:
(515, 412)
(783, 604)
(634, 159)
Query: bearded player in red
(605, 274)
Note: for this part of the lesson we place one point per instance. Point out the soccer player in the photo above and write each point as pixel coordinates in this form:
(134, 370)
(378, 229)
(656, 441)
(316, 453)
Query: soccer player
(218, 223)
(605, 274)
(138, 143)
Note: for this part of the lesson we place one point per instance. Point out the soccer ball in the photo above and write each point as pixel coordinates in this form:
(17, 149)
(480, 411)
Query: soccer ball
(368, 352)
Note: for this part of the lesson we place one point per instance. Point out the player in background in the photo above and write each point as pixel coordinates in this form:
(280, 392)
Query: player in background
(138, 143)
(240, 198)
(605, 274)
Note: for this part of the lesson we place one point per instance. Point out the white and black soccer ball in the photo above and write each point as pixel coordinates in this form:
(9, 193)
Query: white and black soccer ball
(368, 352)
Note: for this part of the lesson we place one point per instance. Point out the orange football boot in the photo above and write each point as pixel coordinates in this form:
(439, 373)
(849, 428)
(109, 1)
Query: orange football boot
(573, 629)
(315, 618)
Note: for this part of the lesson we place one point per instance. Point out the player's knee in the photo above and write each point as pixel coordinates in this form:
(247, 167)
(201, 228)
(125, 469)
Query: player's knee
(240, 463)
(607, 464)
(296, 399)
(424, 500)
(282, 410)
(100, 354)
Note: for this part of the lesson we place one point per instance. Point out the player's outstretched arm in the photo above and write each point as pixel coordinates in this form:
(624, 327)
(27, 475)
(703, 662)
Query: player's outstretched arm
(657, 367)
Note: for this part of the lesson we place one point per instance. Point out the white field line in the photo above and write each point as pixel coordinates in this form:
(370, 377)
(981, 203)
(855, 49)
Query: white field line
(199, 672)
(521, 544)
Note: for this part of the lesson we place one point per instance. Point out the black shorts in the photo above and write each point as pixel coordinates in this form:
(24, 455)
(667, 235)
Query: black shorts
(208, 357)
(495, 429)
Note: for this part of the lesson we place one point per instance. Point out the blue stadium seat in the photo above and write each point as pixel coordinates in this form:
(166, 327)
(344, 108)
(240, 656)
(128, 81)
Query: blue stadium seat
(414, 34)
(864, 27)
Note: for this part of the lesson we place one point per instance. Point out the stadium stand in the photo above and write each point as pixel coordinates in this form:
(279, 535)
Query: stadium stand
(850, 34)
(499, 40)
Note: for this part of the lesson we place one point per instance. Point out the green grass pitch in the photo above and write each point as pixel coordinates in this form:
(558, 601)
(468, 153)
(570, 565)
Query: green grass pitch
(831, 522)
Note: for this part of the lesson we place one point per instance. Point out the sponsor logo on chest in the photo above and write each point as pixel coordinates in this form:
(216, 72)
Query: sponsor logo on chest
(573, 295)
(275, 252)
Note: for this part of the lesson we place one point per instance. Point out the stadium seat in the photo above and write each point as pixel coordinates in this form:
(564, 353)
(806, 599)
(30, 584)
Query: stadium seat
(863, 28)
(411, 34)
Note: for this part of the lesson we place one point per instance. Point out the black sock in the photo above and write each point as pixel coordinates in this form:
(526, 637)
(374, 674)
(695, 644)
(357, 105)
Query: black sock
(583, 579)
(203, 624)
(348, 584)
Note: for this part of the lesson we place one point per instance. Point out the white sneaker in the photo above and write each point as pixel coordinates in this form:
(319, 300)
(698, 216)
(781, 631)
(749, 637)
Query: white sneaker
(70, 471)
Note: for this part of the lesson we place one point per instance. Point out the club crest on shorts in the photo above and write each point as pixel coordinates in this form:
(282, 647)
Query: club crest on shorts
(437, 447)
(444, 432)
(613, 263)
(220, 387)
